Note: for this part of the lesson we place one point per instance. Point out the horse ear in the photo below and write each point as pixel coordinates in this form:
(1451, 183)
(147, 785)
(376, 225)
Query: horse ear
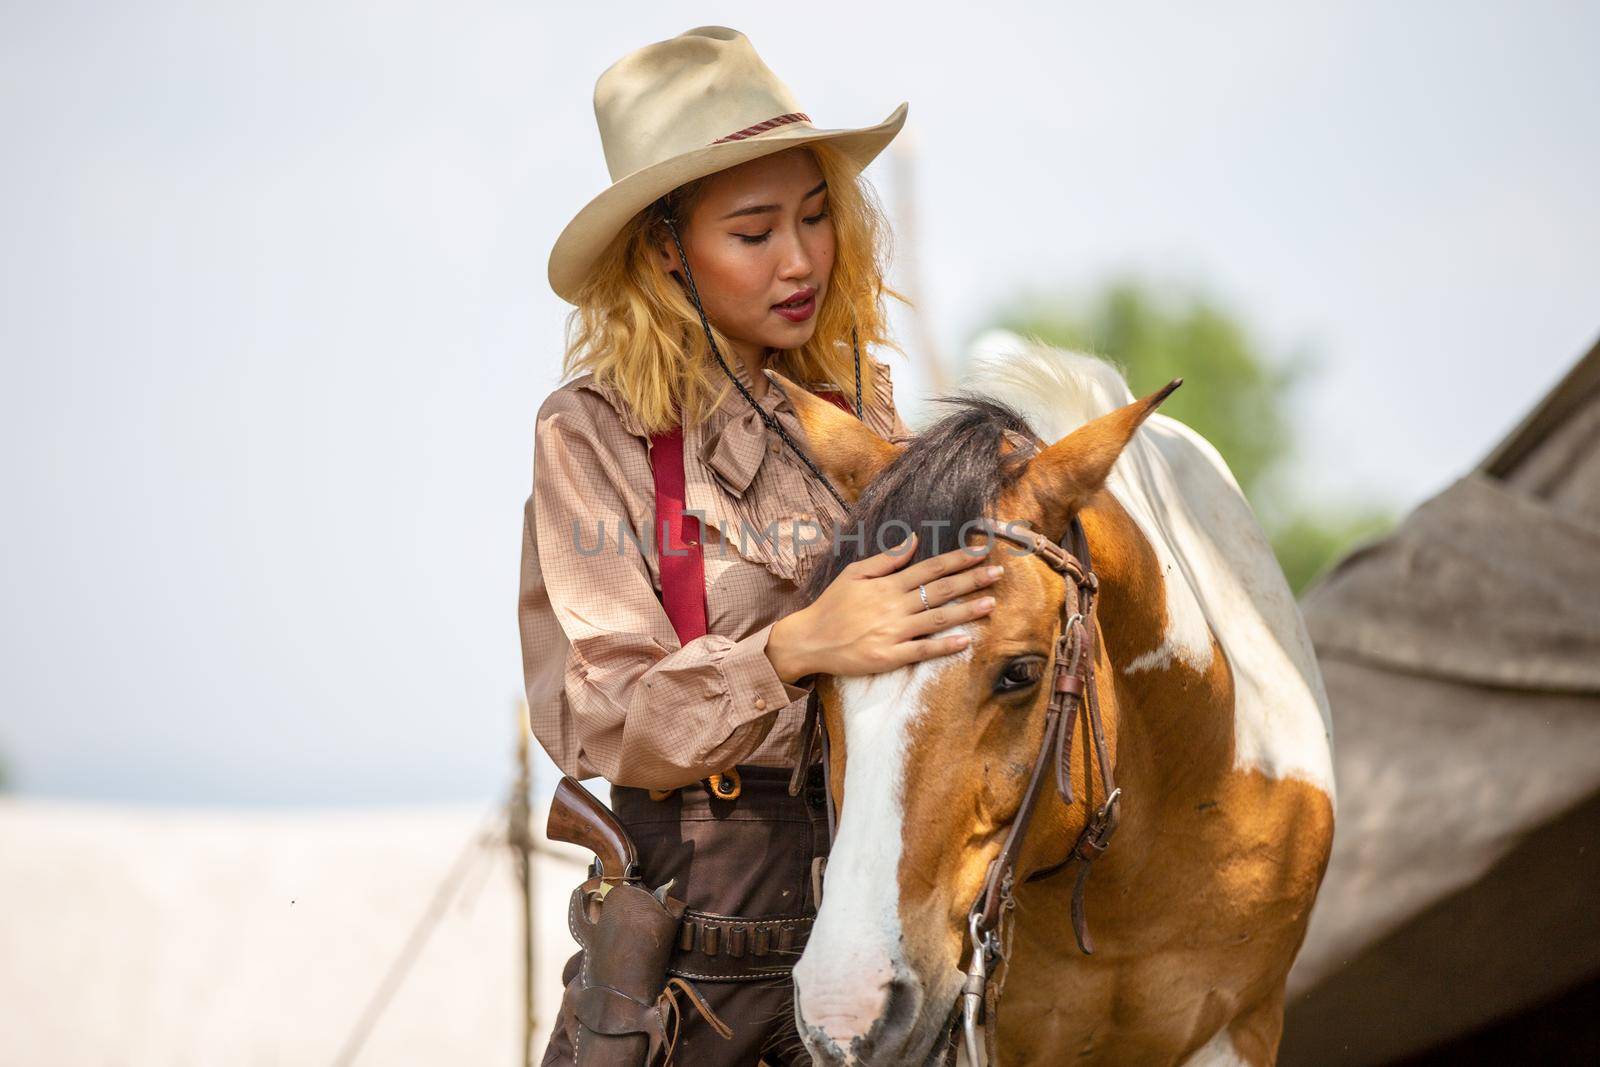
(848, 452)
(1063, 477)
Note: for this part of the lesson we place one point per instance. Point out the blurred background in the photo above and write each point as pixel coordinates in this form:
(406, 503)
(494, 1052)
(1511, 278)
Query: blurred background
(275, 325)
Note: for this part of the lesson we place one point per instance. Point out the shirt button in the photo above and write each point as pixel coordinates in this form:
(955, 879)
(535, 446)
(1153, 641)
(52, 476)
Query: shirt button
(775, 447)
(761, 704)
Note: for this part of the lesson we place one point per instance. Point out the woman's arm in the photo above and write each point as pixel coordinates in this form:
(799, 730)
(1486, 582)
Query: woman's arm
(610, 692)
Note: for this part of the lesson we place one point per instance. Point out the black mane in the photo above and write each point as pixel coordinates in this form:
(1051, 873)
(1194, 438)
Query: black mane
(948, 475)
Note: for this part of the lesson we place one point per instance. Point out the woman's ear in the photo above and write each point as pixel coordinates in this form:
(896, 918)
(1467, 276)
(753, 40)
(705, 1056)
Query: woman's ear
(667, 256)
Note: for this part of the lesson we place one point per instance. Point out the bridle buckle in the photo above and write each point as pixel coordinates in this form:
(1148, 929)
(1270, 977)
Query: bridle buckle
(1102, 824)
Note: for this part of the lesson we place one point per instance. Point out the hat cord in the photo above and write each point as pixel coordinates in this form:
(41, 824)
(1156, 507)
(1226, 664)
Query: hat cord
(767, 417)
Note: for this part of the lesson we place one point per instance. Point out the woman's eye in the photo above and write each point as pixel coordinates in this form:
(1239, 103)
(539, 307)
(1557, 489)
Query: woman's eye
(759, 238)
(1020, 674)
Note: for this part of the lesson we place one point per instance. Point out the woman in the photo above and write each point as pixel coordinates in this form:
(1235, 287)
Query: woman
(735, 238)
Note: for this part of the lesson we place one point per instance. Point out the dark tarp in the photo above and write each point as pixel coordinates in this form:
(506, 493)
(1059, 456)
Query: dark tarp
(1462, 661)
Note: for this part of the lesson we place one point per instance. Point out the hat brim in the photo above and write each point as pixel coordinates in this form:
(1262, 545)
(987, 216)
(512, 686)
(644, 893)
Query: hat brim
(587, 235)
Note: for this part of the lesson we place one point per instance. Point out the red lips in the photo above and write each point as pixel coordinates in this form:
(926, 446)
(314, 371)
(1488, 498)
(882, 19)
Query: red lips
(799, 296)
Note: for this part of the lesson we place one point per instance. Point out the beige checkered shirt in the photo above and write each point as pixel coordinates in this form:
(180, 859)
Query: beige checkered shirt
(610, 690)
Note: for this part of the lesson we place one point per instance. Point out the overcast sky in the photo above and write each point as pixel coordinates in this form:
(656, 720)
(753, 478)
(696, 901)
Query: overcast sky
(275, 324)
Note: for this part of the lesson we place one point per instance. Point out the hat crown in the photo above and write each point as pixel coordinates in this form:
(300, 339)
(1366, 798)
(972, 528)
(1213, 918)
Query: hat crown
(681, 94)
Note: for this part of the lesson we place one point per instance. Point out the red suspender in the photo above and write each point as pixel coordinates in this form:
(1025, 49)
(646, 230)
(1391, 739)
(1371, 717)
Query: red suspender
(677, 536)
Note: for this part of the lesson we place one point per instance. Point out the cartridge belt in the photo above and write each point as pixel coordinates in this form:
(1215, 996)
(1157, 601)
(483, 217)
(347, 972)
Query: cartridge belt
(727, 948)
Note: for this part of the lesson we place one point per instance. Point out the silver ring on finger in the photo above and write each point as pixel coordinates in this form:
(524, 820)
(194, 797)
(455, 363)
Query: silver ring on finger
(922, 591)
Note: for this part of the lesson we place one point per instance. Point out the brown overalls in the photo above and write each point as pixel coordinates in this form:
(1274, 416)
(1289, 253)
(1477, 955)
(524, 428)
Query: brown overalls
(613, 693)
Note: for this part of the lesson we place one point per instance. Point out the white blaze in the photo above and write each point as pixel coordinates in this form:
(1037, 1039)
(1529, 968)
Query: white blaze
(855, 946)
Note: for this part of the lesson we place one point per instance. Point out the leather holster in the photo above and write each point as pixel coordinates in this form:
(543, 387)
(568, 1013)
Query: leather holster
(619, 1000)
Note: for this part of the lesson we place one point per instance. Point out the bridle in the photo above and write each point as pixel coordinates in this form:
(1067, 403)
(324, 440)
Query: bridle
(1072, 693)
(1072, 690)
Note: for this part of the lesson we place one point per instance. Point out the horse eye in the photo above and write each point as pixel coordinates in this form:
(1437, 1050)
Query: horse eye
(1019, 674)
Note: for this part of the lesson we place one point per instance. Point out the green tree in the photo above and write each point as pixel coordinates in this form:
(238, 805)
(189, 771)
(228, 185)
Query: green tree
(1234, 395)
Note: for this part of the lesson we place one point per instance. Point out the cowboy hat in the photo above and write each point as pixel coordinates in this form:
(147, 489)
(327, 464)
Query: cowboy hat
(680, 109)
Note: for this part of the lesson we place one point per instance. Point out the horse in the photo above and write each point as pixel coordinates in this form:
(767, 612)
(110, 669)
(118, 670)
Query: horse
(1208, 709)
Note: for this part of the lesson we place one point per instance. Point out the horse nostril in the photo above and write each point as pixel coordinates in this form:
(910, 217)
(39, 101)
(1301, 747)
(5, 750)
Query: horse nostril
(855, 1029)
(900, 1007)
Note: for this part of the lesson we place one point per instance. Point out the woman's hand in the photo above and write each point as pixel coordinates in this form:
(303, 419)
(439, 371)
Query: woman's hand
(869, 618)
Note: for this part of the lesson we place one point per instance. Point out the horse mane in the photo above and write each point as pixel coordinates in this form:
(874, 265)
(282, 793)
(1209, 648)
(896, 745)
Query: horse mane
(947, 474)
(1057, 390)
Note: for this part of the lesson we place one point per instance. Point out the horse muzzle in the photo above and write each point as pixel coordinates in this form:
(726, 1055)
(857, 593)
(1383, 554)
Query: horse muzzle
(878, 1027)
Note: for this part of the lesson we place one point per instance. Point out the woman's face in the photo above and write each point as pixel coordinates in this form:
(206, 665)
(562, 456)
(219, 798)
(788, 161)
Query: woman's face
(759, 235)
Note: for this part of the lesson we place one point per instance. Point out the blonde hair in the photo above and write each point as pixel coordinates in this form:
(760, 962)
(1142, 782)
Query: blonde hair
(635, 328)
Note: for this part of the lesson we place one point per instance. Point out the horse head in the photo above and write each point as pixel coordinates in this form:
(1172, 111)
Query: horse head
(930, 762)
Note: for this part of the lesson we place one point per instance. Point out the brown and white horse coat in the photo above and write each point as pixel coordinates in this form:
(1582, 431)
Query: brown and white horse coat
(1214, 713)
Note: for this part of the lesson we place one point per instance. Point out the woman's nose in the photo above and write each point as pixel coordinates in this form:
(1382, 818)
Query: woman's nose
(797, 259)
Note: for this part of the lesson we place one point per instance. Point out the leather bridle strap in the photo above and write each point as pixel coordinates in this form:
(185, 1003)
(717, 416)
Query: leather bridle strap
(997, 887)
(1072, 689)
(1102, 822)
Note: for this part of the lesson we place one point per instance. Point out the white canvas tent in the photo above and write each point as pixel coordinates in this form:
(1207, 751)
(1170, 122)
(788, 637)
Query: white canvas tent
(174, 937)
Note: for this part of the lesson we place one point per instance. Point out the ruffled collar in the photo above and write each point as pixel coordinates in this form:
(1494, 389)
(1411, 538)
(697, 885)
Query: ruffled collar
(733, 441)
(743, 480)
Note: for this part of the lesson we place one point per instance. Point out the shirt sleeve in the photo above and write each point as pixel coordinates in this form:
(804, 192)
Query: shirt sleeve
(610, 690)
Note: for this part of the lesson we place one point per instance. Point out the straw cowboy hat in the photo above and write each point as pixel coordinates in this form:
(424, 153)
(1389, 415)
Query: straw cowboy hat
(680, 109)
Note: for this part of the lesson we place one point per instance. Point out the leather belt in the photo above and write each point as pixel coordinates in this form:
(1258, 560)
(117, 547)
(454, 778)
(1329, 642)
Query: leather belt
(727, 948)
